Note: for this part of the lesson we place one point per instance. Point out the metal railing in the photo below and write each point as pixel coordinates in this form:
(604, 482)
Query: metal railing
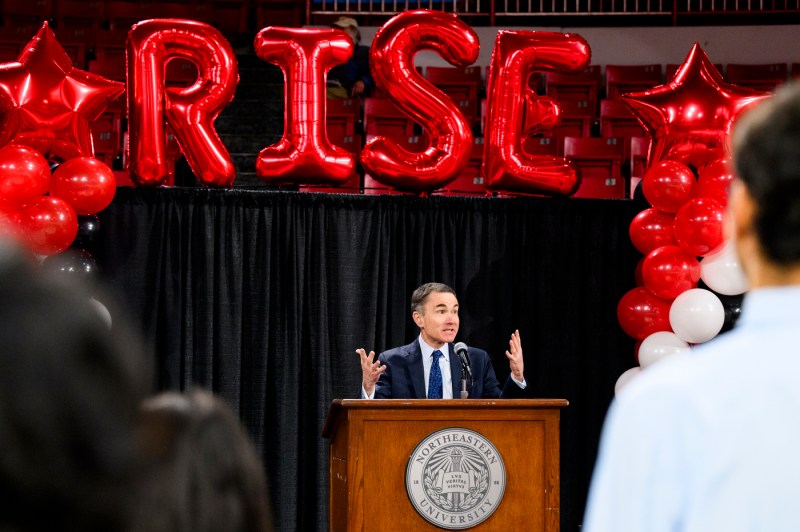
(504, 12)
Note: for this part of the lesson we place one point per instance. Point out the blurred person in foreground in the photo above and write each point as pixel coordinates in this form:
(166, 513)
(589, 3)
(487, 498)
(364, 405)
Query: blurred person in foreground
(69, 394)
(205, 474)
(709, 441)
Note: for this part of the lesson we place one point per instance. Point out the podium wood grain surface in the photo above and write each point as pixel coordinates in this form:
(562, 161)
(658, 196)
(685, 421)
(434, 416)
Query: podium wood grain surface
(371, 442)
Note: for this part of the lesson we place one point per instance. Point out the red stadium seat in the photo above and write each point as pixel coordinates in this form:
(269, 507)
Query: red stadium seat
(541, 146)
(470, 181)
(26, 13)
(382, 117)
(107, 136)
(617, 120)
(277, 13)
(631, 78)
(575, 120)
(599, 163)
(462, 85)
(76, 42)
(109, 55)
(122, 15)
(341, 119)
(579, 89)
(640, 147)
(13, 41)
(78, 15)
(229, 16)
(765, 77)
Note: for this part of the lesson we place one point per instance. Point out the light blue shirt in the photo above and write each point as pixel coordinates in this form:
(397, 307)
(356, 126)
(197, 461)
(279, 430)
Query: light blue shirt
(709, 441)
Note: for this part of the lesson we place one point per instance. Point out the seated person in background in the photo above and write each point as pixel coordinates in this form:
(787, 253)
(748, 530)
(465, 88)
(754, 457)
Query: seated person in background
(205, 474)
(70, 389)
(410, 371)
(352, 78)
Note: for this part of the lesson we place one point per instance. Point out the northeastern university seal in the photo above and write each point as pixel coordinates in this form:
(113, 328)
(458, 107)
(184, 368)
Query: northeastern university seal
(455, 478)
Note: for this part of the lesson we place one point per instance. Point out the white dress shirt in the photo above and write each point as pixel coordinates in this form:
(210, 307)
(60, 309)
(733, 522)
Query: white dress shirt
(444, 364)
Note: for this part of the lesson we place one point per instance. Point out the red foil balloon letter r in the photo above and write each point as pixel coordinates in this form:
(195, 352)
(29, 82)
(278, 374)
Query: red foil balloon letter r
(189, 111)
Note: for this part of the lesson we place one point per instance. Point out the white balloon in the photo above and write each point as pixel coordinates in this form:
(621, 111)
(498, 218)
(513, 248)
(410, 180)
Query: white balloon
(625, 378)
(659, 345)
(102, 311)
(722, 272)
(696, 315)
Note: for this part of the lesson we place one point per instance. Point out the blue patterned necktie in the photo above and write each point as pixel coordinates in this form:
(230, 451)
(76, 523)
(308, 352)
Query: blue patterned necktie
(435, 378)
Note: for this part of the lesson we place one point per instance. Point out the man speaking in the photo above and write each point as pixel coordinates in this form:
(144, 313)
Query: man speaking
(431, 366)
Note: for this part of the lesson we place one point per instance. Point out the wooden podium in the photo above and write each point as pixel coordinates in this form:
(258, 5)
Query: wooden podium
(375, 453)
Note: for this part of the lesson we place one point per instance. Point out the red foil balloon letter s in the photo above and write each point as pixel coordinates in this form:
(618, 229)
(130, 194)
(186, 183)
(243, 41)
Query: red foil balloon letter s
(190, 111)
(304, 154)
(392, 64)
(517, 54)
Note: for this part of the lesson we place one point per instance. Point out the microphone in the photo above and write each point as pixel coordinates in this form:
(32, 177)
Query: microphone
(463, 355)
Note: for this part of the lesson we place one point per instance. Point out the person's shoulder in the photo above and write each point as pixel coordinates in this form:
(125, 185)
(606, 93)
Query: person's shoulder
(475, 352)
(684, 376)
(403, 350)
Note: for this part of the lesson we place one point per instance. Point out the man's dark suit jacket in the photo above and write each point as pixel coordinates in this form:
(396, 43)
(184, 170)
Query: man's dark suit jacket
(404, 377)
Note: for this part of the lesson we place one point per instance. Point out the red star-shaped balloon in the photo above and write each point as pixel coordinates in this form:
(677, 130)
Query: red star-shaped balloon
(689, 118)
(47, 104)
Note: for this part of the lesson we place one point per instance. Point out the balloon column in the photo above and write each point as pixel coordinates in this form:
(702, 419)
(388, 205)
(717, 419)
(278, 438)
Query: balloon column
(48, 224)
(688, 268)
(45, 112)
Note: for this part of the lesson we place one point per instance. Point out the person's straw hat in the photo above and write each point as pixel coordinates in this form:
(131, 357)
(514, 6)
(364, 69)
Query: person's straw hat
(346, 22)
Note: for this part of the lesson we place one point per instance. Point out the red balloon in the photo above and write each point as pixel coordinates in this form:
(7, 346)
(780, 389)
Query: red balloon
(516, 55)
(48, 104)
(669, 271)
(699, 226)
(651, 229)
(392, 65)
(667, 185)
(640, 313)
(86, 183)
(637, 273)
(24, 174)
(189, 111)
(10, 222)
(689, 118)
(49, 225)
(304, 154)
(713, 181)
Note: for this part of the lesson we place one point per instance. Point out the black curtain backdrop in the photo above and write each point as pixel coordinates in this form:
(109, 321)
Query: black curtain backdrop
(263, 297)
